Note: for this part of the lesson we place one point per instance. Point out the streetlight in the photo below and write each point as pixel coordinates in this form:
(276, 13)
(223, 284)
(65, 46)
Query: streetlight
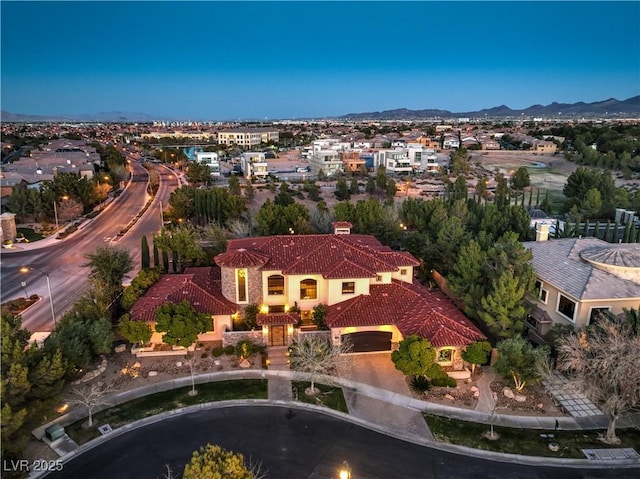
(345, 471)
(55, 210)
(25, 269)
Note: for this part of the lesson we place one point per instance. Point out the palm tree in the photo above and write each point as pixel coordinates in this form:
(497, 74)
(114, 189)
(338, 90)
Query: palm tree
(108, 267)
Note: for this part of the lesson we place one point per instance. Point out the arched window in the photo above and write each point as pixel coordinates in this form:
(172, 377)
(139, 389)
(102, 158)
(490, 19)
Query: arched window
(275, 285)
(308, 289)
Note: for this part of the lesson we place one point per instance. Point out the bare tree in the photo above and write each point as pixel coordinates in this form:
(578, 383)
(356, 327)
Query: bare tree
(239, 228)
(317, 356)
(91, 397)
(191, 361)
(603, 361)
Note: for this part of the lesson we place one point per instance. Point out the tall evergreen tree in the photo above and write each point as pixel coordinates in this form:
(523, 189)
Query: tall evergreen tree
(144, 253)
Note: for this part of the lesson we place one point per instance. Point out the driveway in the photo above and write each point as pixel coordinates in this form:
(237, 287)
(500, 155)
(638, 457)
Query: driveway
(376, 369)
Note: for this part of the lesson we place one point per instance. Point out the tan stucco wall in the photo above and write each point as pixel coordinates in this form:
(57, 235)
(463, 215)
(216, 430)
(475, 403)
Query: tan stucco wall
(408, 278)
(583, 308)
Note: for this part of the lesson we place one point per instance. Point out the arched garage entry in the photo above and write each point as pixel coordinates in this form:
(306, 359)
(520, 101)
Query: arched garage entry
(367, 341)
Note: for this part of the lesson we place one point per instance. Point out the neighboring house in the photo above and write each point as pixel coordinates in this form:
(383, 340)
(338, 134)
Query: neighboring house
(254, 164)
(579, 277)
(201, 288)
(368, 290)
(542, 146)
(210, 159)
(395, 161)
(352, 161)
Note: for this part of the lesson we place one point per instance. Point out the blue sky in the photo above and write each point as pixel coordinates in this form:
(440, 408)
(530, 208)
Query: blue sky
(215, 60)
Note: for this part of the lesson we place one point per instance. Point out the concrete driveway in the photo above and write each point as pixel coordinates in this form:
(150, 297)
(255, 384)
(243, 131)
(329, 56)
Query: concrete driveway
(376, 369)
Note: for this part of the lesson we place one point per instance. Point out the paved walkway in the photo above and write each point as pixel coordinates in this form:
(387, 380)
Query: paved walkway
(573, 401)
(487, 399)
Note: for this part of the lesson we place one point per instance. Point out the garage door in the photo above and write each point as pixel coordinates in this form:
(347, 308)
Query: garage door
(366, 341)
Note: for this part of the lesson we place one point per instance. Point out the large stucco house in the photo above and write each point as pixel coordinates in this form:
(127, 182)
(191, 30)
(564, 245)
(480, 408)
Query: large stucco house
(579, 277)
(368, 290)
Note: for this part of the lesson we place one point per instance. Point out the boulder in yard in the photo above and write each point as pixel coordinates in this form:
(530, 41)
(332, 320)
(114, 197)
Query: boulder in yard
(508, 393)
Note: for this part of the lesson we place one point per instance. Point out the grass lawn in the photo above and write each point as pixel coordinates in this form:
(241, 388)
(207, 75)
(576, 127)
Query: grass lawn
(523, 441)
(166, 401)
(329, 396)
(29, 234)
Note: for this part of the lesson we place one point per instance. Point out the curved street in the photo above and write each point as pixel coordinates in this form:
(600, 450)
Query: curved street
(293, 444)
(63, 259)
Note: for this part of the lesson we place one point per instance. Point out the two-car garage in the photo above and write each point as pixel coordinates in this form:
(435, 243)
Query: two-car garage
(369, 341)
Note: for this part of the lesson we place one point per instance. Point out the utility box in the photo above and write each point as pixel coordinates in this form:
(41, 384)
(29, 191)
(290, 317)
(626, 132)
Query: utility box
(53, 432)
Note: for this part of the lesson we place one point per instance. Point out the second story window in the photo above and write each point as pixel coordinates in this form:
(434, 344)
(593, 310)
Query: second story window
(348, 287)
(308, 289)
(403, 271)
(275, 285)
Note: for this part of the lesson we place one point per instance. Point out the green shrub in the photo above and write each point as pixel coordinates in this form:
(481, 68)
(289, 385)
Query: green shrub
(217, 352)
(420, 384)
(245, 348)
(442, 382)
(229, 350)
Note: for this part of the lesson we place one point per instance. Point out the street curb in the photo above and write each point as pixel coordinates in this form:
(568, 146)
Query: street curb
(265, 374)
(451, 448)
(525, 422)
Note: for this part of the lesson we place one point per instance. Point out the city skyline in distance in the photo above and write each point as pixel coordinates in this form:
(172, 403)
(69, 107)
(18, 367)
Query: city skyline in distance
(272, 60)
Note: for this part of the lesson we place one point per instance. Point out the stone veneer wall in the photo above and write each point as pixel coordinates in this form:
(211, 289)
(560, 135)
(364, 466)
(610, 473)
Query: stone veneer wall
(255, 285)
(231, 338)
(254, 276)
(228, 281)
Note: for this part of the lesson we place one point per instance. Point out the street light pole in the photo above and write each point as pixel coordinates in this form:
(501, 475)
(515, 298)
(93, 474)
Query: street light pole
(25, 269)
(55, 213)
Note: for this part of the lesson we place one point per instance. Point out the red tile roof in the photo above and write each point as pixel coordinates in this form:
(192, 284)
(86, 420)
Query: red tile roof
(241, 258)
(200, 286)
(277, 318)
(332, 256)
(412, 308)
(341, 224)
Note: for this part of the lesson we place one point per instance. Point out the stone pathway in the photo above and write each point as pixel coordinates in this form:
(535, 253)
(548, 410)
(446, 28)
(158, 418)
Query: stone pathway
(279, 389)
(486, 400)
(573, 401)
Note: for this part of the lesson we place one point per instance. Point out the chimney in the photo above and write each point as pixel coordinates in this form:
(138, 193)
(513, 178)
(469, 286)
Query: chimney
(341, 227)
(542, 232)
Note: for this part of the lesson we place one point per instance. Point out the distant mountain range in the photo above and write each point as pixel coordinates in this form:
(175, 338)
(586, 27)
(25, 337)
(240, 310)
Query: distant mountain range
(102, 117)
(610, 107)
(600, 108)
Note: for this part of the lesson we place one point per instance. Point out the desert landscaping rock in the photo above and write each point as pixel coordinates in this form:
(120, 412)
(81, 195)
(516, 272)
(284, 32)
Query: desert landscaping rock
(152, 374)
(121, 348)
(449, 397)
(520, 398)
(508, 393)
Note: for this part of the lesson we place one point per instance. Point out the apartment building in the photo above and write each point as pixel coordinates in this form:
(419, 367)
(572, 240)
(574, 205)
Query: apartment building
(248, 137)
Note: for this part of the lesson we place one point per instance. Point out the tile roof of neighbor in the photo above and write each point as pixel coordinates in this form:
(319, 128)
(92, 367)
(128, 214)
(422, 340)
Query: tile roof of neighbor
(332, 256)
(412, 308)
(558, 262)
(200, 286)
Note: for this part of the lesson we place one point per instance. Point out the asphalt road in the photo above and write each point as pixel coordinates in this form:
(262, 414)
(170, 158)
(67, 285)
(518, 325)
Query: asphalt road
(294, 444)
(64, 261)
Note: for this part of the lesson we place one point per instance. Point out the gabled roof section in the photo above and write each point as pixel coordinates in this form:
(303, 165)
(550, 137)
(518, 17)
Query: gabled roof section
(412, 308)
(332, 256)
(199, 286)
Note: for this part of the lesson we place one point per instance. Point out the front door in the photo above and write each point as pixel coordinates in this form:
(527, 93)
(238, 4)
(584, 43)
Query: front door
(276, 335)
